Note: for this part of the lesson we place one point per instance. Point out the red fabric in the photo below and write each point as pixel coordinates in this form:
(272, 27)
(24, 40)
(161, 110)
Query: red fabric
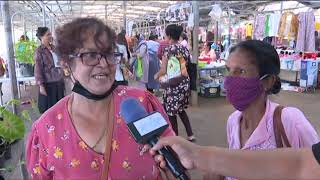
(56, 151)
(163, 45)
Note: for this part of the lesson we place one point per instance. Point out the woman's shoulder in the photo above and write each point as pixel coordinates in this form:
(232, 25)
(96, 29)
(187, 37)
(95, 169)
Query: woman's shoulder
(234, 118)
(130, 91)
(298, 128)
(52, 116)
(292, 115)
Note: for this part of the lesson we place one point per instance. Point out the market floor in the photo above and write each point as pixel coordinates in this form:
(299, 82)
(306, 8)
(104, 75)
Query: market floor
(209, 118)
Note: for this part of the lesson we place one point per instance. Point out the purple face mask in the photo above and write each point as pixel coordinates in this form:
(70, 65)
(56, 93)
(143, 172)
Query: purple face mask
(241, 92)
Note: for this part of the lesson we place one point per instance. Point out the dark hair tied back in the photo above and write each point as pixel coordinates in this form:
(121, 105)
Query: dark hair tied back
(174, 31)
(41, 31)
(265, 57)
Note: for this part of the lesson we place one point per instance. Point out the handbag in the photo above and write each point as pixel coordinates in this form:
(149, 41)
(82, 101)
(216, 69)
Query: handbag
(279, 132)
(176, 71)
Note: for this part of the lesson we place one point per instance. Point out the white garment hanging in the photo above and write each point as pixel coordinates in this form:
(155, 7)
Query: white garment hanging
(274, 21)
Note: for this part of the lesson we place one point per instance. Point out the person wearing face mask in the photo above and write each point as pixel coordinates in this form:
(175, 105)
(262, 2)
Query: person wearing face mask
(47, 70)
(259, 123)
(83, 136)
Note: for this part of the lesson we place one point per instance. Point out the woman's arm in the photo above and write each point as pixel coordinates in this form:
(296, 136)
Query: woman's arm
(38, 67)
(280, 164)
(163, 67)
(272, 164)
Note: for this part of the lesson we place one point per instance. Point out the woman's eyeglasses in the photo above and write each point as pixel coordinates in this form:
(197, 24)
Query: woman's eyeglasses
(93, 58)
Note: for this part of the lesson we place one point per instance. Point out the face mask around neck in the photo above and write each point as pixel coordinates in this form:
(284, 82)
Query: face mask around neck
(78, 88)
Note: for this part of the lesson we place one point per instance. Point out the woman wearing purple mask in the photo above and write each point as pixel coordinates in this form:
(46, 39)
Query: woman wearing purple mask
(259, 123)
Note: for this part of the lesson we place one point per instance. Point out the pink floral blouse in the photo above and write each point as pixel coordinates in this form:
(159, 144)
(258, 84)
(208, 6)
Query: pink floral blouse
(55, 150)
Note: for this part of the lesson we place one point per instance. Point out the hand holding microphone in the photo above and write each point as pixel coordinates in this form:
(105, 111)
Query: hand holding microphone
(185, 150)
(146, 128)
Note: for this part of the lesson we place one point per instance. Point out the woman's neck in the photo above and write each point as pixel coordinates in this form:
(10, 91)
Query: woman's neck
(254, 113)
(89, 108)
(47, 45)
(173, 42)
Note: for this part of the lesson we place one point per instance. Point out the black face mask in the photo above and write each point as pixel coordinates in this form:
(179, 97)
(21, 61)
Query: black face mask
(78, 88)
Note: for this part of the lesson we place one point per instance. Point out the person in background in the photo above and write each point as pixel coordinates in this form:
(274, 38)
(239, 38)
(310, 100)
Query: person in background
(184, 40)
(84, 136)
(154, 63)
(122, 72)
(163, 44)
(176, 96)
(122, 40)
(141, 55)
(258, 123)
(208, 52)
(47, 70)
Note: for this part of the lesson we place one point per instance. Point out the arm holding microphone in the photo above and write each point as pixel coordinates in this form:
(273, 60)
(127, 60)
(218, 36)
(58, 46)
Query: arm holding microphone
(264, 164)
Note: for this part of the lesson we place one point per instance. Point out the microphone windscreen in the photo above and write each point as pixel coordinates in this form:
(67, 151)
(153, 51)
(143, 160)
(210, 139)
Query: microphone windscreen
(131, 110)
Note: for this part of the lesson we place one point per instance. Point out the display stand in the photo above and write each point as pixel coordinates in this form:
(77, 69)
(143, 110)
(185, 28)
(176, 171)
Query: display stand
(211, 81)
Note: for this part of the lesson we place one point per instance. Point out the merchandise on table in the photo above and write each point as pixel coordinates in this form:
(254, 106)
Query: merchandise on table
(211, 81)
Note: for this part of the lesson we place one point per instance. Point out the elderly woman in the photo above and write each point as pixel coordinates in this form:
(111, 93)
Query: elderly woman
(83, 136)
(48, 74)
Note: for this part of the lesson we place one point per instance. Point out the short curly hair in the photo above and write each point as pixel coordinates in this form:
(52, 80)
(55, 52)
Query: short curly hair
(71, 36)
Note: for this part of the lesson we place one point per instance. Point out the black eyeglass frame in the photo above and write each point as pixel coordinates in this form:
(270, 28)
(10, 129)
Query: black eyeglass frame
(114, 56)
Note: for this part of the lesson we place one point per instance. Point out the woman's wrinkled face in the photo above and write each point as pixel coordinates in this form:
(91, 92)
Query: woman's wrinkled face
(240, 64)
(99, 78)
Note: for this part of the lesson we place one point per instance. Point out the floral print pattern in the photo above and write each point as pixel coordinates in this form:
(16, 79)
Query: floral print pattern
(55, 150)
(176, 98)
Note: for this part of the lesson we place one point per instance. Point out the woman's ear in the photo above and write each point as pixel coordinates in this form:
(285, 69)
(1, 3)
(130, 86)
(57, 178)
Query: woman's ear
(268, 82)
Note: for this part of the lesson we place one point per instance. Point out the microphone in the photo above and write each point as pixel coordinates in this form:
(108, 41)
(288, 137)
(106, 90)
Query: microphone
(146, 128)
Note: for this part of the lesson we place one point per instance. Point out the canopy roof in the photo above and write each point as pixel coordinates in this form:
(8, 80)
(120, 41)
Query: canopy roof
(58, 12)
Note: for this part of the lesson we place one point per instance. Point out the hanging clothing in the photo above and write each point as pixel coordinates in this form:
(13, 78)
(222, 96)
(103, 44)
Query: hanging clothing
(154, 64)
(283, 24)
(317, 26)
(274, 21)
(294, 27)
(288, 28)
(249, 29)
(267, 26)
(259, 27)
(306, 36)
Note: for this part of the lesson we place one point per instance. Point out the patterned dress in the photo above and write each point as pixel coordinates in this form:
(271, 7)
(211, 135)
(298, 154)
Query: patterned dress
(176, 98)
(56, 151)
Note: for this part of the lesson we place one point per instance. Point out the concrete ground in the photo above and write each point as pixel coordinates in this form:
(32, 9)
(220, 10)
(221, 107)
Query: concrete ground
(209, 118)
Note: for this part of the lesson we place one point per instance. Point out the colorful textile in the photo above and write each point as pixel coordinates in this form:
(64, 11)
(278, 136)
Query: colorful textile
(176, 98)
(249, 29)
(56, 151)
(306, 35)
(259, 27)
(267, 26)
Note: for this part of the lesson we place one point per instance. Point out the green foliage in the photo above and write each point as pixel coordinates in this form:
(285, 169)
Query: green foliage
(24, 51)
(12, 127)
